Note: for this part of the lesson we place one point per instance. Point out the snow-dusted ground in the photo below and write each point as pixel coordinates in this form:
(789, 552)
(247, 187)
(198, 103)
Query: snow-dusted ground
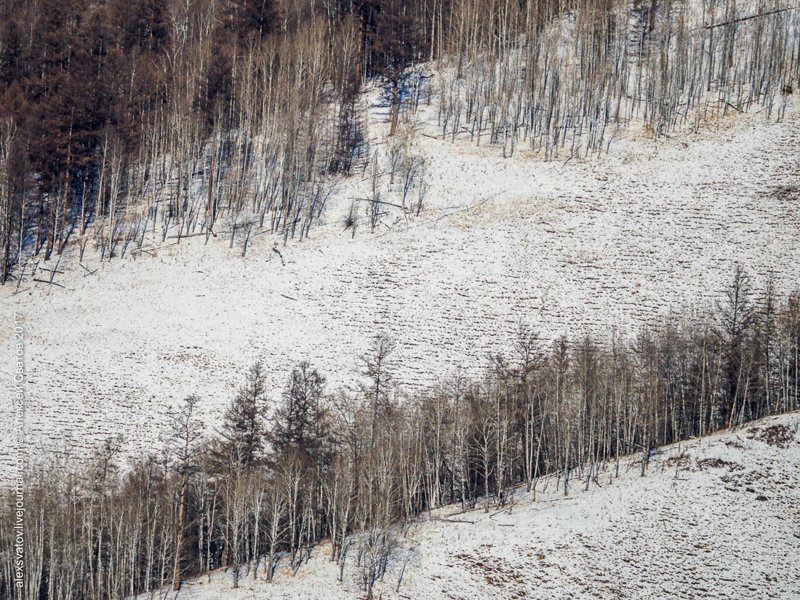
(712, 518)
(602, 244)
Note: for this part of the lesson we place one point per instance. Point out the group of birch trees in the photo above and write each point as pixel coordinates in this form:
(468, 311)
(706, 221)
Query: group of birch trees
(282, 470)
(124, 122)
(564, 78)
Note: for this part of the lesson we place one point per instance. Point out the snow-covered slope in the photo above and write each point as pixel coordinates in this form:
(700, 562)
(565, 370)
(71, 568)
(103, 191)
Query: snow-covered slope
(712, 518)
(601, 244)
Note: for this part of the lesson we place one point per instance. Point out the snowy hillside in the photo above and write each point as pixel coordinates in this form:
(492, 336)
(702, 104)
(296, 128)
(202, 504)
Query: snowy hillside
(601, 245)
(717, 517)
(400, 299)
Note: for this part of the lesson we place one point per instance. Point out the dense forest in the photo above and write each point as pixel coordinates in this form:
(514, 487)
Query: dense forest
(105, 103)
(285, 469)
(121, 119)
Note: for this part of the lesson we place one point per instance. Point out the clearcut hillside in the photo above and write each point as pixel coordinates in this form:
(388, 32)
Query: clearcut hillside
(601, 245)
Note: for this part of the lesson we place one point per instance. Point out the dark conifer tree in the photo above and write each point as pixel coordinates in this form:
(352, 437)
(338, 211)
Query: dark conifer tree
(244, 424)
(391, 35)
(299, 426)
(735, 316)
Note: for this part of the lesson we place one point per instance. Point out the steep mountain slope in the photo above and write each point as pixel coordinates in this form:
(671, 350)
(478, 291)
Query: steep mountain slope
(717, 517)
(602, 245)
